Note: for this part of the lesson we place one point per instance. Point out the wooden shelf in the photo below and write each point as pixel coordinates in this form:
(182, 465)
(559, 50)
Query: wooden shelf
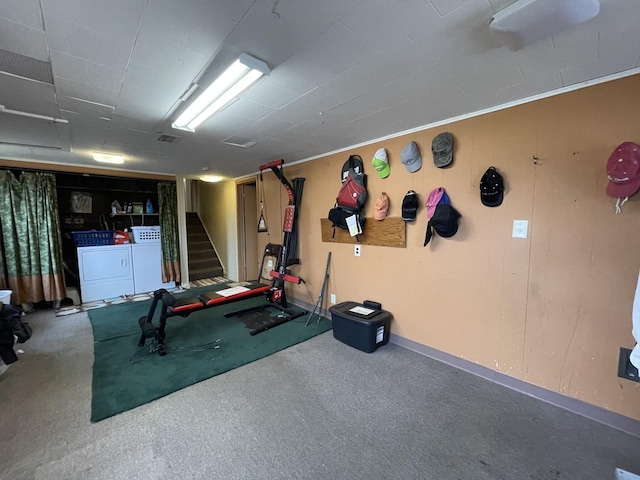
(390, 232)
(136, 214)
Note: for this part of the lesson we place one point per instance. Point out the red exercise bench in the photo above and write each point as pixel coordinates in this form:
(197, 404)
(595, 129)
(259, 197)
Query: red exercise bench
(172, 307)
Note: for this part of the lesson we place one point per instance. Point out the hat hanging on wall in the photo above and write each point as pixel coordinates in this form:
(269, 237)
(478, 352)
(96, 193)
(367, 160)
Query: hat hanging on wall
(381, 207)
(442, 149)
(491, 188)
(410, 157)
(381, 163)
(623, 171)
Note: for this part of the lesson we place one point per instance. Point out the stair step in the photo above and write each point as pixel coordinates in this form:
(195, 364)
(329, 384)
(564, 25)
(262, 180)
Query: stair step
(201, 262)
(201, 255)
(198, 274)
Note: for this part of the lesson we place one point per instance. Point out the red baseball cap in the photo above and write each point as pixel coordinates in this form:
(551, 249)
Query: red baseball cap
(623, 169)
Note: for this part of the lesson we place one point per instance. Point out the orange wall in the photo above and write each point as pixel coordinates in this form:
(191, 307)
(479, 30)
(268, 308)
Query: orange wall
(553, 309)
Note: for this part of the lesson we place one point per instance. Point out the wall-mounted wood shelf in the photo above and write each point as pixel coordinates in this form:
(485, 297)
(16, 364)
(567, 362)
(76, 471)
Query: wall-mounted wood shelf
(390, 232)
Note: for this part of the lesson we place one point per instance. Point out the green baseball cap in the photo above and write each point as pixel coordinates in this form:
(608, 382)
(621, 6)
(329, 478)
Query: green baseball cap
(380, 163)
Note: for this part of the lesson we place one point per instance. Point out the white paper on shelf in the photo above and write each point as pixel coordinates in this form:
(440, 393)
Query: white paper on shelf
(352, 223)
(361, 310)
(227, 292)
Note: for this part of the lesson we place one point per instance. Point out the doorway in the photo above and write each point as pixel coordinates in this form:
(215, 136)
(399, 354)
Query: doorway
(248, 232)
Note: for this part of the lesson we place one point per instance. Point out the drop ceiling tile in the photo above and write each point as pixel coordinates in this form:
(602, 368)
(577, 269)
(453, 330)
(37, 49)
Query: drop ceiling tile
(234, 10)
(405, 18)
(25, 12)
(625, 41)
(85, 92)
(186, 23)
(11, 85)
(338, 49)
(22, 39)
(292, 114)
(171, 83)
(445, 7)
(532, 87)
(164, 54)
(142, 104)
(626, 60)
(83, 71)
(561, 52)
(118, 19)
(28, 132)
(85, 135)
(86, 44)
(89, 109)
(120, 121)
(503, 70)
(268, 93)
(325, 14)
(299, 74)
(28, 96)
(134, 138)
(249, 110)
(499, 5)
(265, 127)
(226, 119)
(267, 37)
(464, 29)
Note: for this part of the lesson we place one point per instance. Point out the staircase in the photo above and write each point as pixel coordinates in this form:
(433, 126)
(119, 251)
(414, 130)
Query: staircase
(203, 261)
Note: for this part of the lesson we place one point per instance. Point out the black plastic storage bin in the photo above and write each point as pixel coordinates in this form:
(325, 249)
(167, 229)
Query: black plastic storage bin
(364, 331)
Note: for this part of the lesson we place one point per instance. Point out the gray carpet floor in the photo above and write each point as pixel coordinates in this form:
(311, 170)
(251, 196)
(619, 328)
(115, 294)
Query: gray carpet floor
(318, 410)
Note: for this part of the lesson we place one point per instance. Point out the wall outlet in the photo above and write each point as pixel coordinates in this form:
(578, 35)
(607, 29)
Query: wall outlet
(333, 299)
(625, 367)
(356, 250)
(520, 228)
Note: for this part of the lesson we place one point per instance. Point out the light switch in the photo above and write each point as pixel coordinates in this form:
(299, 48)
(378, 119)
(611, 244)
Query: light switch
(520, 228)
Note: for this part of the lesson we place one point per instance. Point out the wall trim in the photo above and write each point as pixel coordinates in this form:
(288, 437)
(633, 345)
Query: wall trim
(598, 414)
(592, 412)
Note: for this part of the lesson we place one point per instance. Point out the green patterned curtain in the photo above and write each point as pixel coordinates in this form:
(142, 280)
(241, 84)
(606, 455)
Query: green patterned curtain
(168, 203)
(31, 260)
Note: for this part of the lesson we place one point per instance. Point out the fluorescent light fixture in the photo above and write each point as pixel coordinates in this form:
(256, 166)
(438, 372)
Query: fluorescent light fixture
(211, 178)
(108, 158)
(235, 79)
(527, 21)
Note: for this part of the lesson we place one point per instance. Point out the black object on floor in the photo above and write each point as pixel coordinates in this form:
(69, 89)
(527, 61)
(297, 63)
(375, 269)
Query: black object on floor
(360, 326)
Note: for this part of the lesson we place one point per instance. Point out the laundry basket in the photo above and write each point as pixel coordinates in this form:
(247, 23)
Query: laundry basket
(146, 234)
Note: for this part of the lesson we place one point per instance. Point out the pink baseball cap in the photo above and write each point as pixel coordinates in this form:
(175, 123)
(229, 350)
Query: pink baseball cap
(623, 169)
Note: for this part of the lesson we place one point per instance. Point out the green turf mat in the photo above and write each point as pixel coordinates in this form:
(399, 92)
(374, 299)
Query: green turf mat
(200, 346)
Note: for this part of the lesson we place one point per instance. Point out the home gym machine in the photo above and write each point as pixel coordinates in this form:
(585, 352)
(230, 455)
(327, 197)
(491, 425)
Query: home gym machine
(276, 296)
(170, 306)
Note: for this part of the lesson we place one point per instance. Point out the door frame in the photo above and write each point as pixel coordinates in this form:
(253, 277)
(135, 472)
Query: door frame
(247, 220)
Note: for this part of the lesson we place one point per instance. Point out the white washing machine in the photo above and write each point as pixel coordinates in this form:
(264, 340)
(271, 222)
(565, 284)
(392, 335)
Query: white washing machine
(147, 267)
(105, 272)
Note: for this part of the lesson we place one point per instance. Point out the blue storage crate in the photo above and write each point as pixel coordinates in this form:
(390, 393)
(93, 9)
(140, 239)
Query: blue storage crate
(93, 238)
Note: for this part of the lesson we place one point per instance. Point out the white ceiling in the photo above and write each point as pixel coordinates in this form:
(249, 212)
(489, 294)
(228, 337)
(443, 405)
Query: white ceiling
(343, 73)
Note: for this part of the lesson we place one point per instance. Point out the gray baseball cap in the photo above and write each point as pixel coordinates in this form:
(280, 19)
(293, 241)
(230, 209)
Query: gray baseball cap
(410, 157)
(442, 148)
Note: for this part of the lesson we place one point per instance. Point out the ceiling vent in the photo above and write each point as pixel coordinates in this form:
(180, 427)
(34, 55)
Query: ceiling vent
(25, 67)
(164, 137)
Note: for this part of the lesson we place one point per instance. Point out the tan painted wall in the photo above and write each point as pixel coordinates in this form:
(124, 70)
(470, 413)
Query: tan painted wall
(552, 309)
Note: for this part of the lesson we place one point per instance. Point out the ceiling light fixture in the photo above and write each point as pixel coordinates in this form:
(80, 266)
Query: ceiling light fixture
(108, 158)
(527, 21)
(211, 178)
(239, 76)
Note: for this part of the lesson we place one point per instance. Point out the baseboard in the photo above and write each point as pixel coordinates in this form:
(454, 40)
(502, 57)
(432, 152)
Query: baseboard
(598, 414)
